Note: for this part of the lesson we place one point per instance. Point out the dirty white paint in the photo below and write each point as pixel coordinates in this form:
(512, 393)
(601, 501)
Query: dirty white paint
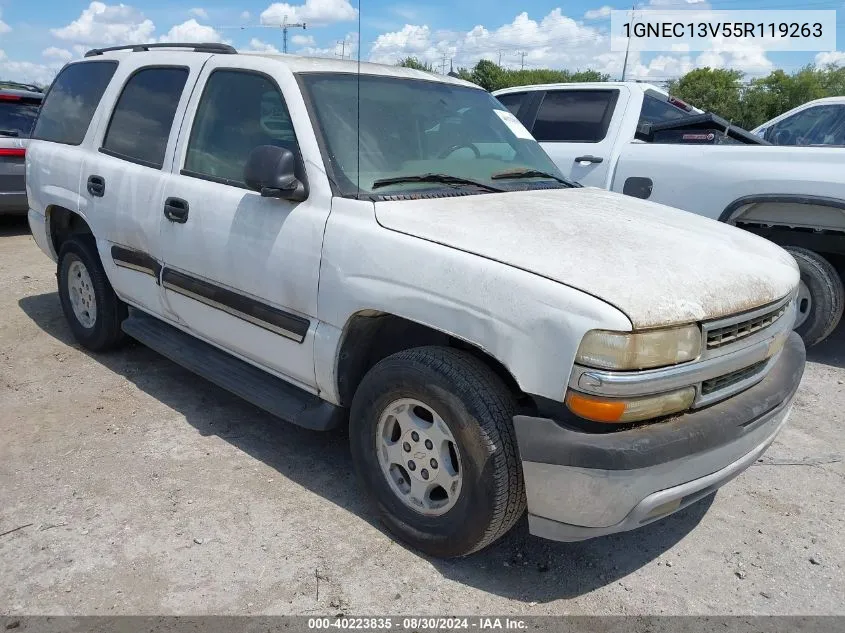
(658, 265)
(531, 324)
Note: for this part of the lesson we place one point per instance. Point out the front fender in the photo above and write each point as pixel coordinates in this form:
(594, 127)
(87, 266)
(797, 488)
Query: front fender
(530, 324)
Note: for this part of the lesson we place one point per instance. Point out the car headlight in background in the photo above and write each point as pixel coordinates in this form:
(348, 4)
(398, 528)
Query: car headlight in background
(648, 349)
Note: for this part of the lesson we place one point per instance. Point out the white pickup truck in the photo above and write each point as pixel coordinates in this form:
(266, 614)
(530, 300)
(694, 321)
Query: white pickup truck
(391, 249)
(636, 139)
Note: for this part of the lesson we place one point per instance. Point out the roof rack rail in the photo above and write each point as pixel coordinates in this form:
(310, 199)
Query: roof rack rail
(197, 47)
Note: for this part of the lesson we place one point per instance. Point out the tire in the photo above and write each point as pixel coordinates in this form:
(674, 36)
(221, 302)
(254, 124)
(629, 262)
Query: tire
(98, 329)
(822, 308)
(477, 409)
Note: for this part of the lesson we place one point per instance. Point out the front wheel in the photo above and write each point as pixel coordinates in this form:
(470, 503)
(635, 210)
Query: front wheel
(433, 444)
(821, 296)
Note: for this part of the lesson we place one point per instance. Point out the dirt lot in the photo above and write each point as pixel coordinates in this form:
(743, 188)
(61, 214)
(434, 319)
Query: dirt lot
(145, 489)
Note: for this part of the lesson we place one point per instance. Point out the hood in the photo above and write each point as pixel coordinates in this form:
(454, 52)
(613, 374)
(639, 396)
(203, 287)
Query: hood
(658, 265)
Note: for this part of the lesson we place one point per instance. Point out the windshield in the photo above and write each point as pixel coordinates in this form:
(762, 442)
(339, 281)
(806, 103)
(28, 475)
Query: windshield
(413, 127)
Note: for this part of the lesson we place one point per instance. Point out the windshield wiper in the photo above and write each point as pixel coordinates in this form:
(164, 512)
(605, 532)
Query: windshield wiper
(439, 178)
(14, 133)
(514, 174)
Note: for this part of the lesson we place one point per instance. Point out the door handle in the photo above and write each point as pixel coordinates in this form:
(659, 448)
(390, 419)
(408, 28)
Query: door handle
(176, 210)
(589, 159)
(97, 186)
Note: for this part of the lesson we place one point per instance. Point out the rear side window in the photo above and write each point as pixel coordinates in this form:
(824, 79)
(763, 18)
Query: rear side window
(576, 116)
(69, 107)
(513, 101)
(17, 116)
(141, 122)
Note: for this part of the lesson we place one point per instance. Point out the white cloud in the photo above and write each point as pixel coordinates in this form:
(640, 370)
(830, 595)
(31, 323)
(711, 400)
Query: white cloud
(830, 57)
(313, 11)
(191, 31)
(199, 12)
(349, 48)
(4, 28)
(107, 25)
(555, 41)
(303, 40)
(27, 72)
(257, 46)
(598, 14)
(59, 54)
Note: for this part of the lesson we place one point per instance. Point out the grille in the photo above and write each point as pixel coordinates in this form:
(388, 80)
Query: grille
(721, 336)
(716, 384)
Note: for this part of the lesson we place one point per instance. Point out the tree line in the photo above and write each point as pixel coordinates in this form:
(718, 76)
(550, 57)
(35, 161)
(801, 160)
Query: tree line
(722, 91)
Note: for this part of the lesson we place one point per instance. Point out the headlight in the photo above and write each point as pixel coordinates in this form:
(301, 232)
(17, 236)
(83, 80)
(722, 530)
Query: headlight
(621, 410)
(639, 350)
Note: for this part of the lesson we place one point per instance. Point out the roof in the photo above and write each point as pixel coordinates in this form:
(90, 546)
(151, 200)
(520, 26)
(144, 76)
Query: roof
(581, 84)
(296, 63)
(300, 64)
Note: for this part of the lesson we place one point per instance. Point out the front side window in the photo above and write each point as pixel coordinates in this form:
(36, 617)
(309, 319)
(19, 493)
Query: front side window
(143, 117)
(71, 102)
(575, 116)
(238, 112)
(417, 128)
(819, 125)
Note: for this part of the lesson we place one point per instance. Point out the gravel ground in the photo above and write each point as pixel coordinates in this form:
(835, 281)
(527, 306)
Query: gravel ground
(143, 489)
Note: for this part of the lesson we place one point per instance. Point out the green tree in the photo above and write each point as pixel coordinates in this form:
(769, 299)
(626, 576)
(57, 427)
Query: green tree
(713, 89)
(488, 75)
(414, 62)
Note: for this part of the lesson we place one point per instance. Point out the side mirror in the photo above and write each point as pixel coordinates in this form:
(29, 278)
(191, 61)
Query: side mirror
(271, 171)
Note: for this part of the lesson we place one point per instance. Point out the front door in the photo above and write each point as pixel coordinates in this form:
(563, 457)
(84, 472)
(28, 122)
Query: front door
(574, 127)
(241, 271)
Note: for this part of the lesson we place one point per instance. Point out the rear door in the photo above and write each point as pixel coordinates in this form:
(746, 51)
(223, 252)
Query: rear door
(18, 111)
(122, 178)
(66, 119)
(578, 130)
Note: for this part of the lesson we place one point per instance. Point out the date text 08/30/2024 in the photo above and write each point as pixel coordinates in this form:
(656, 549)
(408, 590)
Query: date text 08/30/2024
(416, 624)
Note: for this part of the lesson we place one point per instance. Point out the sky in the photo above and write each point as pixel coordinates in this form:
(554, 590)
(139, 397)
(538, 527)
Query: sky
(37, 37)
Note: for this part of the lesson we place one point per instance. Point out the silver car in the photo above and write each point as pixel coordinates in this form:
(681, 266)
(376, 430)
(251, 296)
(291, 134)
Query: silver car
(19, 105)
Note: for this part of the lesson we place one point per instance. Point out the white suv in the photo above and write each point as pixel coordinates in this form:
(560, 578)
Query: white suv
(393, 249)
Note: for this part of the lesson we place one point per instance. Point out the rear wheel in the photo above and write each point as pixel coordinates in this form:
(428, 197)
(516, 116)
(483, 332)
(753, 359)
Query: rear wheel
(92, 309)
(433, 444)
(821, 296)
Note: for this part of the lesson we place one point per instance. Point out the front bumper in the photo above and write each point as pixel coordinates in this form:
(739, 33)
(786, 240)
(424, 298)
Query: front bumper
(581, 485)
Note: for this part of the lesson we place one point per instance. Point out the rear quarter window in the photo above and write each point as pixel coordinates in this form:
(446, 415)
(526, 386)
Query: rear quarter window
(71, 102)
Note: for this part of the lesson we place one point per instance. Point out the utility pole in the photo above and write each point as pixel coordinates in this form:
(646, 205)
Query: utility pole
(342, 48)
(522, 55)
(287, 25)
(443, 65)
(628, 46)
